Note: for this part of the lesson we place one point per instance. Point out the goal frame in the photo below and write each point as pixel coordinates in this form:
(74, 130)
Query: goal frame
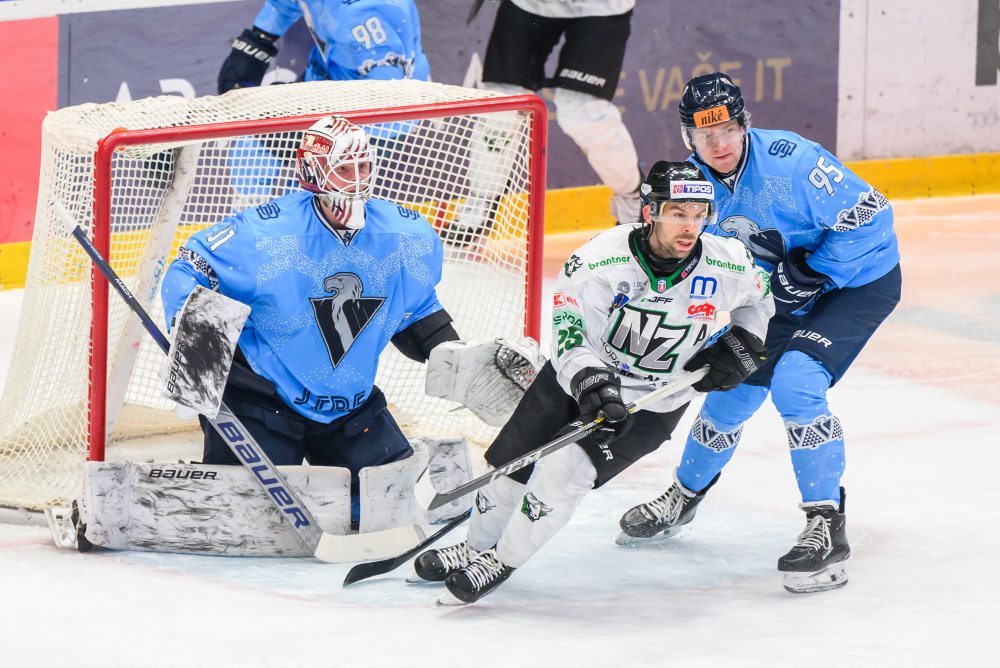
(123, 138)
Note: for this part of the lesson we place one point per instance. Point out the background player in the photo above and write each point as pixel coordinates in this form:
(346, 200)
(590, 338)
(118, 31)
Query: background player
(632, 308)
(829, 238)
(363, 39)
(590, 61)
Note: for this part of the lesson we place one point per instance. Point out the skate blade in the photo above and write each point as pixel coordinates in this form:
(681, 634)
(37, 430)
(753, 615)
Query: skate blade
(831, 577)
(415, 579)
(448, 600)
(625, 540)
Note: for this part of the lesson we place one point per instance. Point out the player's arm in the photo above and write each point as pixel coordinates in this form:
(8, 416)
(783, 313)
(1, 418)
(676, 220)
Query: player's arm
(857, 217)
(255, 49)
(739, 350)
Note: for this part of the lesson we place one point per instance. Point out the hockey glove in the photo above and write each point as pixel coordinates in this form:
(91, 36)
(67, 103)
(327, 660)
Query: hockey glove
(731, 359)
(599, 392)
(794, 283)
(252, 53)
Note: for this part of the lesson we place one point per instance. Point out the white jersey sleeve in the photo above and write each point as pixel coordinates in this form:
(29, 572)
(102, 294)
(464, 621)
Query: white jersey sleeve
(610, 310)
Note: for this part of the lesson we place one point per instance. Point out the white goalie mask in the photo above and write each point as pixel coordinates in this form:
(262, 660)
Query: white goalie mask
(337, 162)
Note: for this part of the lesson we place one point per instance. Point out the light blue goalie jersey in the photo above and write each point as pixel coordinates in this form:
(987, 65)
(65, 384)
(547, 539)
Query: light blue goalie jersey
(365, 39)
(322, 308)
(791, 193)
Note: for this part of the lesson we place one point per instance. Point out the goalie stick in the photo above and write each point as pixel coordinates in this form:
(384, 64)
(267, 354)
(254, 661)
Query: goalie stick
(430, 498)
(324, 546)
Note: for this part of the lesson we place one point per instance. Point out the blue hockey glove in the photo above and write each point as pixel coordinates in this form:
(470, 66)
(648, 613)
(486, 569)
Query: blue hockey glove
(599, 392)
(731, 359)
(253, 51)
(794, 283)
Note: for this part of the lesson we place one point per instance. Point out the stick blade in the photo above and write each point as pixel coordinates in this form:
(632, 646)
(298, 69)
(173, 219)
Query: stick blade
(368, 546)
(424, 491)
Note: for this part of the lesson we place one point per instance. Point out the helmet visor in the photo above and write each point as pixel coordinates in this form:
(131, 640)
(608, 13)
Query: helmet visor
(723, 134)
(672, 212)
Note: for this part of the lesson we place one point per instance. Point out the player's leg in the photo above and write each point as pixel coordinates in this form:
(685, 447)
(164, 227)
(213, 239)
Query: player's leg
(828, 340)
(590, 64)
(367, 436)
(514, 64)
(556, 487)
(541, 413)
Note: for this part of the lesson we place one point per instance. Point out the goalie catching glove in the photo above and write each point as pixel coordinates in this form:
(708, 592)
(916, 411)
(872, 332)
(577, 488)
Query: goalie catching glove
(731, 359)
(487, 378)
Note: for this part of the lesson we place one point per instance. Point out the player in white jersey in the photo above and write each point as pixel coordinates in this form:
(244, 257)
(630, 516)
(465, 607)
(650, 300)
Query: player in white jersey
(594, 34)
(634, 308)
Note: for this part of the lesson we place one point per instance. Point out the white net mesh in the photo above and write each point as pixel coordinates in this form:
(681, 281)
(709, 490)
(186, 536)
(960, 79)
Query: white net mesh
(170, 186)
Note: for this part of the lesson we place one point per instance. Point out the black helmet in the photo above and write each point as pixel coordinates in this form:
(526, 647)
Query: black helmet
(677, 182)
(710, 99)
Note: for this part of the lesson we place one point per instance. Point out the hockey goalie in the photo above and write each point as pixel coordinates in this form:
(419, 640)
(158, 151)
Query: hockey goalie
(281, 312)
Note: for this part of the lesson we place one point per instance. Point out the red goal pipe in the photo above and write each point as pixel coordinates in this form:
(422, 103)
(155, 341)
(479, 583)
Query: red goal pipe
(101, 230)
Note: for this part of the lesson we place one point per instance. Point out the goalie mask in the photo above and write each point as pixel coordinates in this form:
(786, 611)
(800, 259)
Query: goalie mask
(337, 162)
(676, 192)
(707, 100)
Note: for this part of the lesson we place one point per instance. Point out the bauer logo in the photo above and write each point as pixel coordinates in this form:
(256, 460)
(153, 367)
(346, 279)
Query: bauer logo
(183, 474)
(692, 189)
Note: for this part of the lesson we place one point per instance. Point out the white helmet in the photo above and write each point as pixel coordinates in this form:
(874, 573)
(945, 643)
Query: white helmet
(333, 143)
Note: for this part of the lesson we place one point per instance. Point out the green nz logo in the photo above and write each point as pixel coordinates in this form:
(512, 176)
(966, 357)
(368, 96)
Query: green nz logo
(647, 338)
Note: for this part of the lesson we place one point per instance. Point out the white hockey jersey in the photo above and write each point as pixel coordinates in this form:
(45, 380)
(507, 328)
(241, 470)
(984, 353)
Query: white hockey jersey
(569, 9)
(611, 310)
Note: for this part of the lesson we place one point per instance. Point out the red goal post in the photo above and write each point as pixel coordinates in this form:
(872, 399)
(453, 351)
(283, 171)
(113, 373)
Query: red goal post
(441, 148)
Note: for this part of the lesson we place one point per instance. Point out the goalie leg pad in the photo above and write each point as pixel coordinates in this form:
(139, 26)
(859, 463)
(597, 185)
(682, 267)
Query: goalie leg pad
(487, 378)
(205, 334)
(387, 499)
(449, 465)
(202, 509)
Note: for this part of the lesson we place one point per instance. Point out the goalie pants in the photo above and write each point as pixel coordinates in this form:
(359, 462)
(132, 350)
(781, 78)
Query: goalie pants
(546, 409)
(368, 436)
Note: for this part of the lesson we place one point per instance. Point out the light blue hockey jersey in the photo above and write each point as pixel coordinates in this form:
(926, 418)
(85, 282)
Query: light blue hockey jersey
(791, 192)
(322, 310)
(364, 39)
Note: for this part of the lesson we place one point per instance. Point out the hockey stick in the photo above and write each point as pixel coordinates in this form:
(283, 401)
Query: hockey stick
(430, 498)
(324, 546)
(373, 568)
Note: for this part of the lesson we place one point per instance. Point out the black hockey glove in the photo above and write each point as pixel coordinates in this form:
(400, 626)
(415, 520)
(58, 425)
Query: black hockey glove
(599, 392)
(731, 359)
(253, 51)
(794, 283)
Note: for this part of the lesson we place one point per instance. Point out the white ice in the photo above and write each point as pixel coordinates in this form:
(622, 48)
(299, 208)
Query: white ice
(922, 507)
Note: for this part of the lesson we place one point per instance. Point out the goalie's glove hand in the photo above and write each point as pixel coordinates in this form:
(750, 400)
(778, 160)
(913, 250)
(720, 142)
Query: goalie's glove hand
(794, 283)
(598, 391)
(731, 359)
(252, 53)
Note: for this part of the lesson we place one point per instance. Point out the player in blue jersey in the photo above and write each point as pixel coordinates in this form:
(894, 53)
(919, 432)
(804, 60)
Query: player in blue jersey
(331, 276)
(362, 39)
(828, 238)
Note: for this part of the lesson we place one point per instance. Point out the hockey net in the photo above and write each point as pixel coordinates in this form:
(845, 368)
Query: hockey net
(140, 177)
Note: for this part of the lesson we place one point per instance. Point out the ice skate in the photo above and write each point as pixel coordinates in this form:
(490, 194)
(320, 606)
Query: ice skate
(434, 566)
(483, 574)
(818, 561)
(661, 518)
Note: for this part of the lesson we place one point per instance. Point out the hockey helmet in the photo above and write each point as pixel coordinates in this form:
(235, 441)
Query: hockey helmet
(337, 162)
(676, 182)
(711, 99)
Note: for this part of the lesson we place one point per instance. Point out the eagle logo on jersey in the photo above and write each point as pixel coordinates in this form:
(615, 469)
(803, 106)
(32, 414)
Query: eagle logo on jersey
(534, 509)
(765, 245)
(342, 317)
